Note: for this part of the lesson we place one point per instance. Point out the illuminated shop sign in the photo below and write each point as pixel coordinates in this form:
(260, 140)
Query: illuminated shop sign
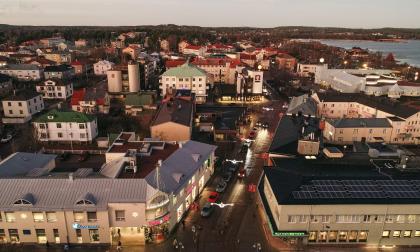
(164, 219)
(289, 234)
(189, 189)
(78, 226)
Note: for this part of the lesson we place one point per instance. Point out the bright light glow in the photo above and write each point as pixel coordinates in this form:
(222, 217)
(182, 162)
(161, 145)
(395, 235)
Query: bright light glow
(259, 67)
(221, 204)
(321, 60)
(365, 65)
(234, 161)
(135, 214)
(23, 216)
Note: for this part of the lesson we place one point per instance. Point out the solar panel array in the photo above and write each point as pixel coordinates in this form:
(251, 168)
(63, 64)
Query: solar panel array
(359, 189)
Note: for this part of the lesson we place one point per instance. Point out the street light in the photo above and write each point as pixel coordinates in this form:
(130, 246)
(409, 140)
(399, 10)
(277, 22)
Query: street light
(365, 65)
(257, 246)
(234, 161)
(222, 205)
(259, 67)
(180, 246)
(321, 60)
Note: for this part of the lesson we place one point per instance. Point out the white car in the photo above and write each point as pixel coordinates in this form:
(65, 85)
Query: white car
(268, 108)
(6, 139)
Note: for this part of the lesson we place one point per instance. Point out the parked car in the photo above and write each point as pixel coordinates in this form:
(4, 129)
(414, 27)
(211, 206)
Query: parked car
(84, 156)
(258, 124)
(6, 138)
(265, 125)
(214, 196)
(207, 210)
(221, 186)
(232, 167)
(227, 177)
(242, 173)
(64, 156)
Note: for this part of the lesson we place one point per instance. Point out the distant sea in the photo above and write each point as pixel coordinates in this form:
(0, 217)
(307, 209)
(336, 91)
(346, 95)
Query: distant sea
(406, 51)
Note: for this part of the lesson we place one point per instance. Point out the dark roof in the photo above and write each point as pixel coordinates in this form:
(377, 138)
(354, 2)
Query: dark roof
(360, 123)
(58, 68)
(4, 78)
(291, 187)
(226, 89)
(383, 104)
(289, 131)
(176, 110)
(22, 95)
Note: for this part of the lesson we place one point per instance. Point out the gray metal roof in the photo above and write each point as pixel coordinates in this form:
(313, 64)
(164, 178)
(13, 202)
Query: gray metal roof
(59, 194)
(180, 166)
(304, 104)
(21, 163)
(360, 123)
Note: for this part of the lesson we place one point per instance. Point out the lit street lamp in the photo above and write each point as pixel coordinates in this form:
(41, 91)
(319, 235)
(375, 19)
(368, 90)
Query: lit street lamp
(321, 60)
(234, 161)
(221, 204)
(365, 65)
(180, 246)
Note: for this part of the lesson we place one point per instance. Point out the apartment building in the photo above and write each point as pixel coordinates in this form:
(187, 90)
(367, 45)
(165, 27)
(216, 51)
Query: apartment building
(55, 89)
(185, 77)
(140, 194)
(60, 72)
(23, 72)
(221, 70)
(195, 50)
(21, 106)
(66, 126)
(343, 210)
(91, 100)
(403, 118)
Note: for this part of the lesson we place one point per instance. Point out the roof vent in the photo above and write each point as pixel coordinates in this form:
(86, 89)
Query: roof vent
(196, 157)
(50, 117)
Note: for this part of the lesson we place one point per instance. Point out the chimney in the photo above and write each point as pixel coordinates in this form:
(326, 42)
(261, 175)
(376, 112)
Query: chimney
(59, 106)
(71, 176)
(180, 145)
(160, 162)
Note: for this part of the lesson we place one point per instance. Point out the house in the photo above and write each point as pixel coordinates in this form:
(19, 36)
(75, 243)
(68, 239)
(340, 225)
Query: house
(41, 62)
(185, 77)
(64, 72)
(21, 106)
(91, 100)
(59, 57)
(173, 121)
(81, 66)
(23, 72)
(195, 50)
(55, 89)
(137, 102)
(81, 43)
(6, 84)
(102, 66)
(66, 127)
(182, 45)
(51, 42)
(164, 45)
(220, 69)
(132, 50)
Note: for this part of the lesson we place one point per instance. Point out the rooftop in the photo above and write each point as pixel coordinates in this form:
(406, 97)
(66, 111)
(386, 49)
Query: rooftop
(21, 163)
(22, 95)
(64, 116)
(185, 70)
(20, 67)
(176, 110)
(360, 123)
(58, 68)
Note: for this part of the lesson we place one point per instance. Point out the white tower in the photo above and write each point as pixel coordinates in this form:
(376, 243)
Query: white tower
(114, 81)
(133, 77)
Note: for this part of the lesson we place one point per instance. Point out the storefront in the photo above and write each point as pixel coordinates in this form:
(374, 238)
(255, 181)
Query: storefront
(128, 235)
(157, 229)
(292, 237)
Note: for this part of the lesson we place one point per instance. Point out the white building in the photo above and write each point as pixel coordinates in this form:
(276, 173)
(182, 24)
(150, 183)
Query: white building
(195, 50)
(249, 84)
(185, 77)
(124, 78)
(20, 107)
(102, 66)
(55, 89)
(23, 72)
(307, 70)
(71, 126)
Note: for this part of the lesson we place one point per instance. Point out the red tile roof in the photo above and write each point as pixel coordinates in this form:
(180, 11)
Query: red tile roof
(193, 47)
(245, 56)
(408, 84)
(78, 96)
(174, 63)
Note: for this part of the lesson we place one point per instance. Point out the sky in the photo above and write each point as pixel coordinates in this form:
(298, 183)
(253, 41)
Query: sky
(255, 13)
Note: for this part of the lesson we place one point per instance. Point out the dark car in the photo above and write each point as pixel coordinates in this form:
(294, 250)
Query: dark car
(64, 156)
(207, 210)
(227, 177)
(84, 156)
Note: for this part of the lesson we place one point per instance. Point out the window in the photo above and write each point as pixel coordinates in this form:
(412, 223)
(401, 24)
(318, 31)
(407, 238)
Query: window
(322, 237)
(193, 79)
(119, 215)
(2, 236)
(78, 216)
(94, 235)
(332, 236)
(312, 236)
(10, 216)
(60, 135)
(92, 216)
(19, 104)
(396, 234)
(82, 126)
(353, 236)
(14, 235)
(10, 111)
(378, 218)
(417, 233)
(292, 219)
(79, 236)
(366, 218)
(342, 236)
(363, 236)
(389, 218)
(303, 218)
(21, 112)
(56, 235)
(40, 235)
(58, 125)
(180, 79)
(341, 131)
(9, 104)
(400, 218)
(370, 131)
(82, 135)
(51, 217)
(407, 233)
(38, 216)
(314, 218)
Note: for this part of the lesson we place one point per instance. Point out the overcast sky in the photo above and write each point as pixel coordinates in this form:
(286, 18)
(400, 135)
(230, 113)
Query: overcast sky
(256, 13)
